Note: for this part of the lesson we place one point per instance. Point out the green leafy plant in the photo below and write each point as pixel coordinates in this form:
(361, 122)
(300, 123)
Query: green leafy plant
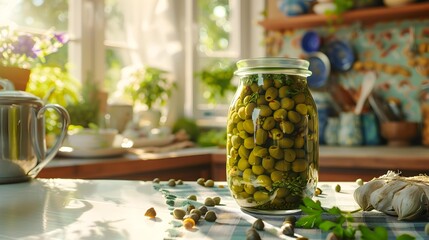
(53, 85)
(149, 86)
(341, 225)
(218, 80)
(86, 111)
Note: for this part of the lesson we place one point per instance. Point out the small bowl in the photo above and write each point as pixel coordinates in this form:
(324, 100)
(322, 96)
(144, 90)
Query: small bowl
(399, 133)
(91, 138)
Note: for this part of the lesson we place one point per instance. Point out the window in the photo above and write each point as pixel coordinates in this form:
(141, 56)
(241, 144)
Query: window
(99, 48)
(226, 32)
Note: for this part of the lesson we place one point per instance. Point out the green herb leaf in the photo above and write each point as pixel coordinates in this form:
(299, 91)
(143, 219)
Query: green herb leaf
(327, 225)
(405, 237)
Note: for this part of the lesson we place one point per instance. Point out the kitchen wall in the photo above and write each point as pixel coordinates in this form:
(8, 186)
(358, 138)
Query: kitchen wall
(383, 47)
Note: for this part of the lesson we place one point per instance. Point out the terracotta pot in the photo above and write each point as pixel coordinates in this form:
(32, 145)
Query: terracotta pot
(18, 76)
(399, 133)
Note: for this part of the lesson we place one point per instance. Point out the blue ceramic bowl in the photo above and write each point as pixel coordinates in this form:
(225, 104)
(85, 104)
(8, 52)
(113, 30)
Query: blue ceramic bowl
(320, 68)
(310, 42)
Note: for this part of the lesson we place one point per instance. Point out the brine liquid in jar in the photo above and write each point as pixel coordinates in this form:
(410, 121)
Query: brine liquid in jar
(272, 135)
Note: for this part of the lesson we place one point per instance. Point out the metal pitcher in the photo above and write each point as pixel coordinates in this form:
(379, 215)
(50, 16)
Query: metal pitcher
(23, 151)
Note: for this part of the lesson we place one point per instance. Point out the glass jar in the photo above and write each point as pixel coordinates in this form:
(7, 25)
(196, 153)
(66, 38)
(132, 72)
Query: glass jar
(272, 135)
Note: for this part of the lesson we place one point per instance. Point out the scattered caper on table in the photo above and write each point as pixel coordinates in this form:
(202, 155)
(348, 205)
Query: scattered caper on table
(338, 188)
(210, 216)
(258, 224)
(151, 213)
(179, 213)
(171, 183)
(209, 202)
(252, 234)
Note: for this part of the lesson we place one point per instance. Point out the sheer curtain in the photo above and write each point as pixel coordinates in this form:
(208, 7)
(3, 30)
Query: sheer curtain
(152, 32)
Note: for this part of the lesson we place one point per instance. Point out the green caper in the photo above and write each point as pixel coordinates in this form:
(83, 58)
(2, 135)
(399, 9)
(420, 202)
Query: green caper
(359, 181)
(210, 216)
(280, 114)
(258, 169)
(267, 83)
(248, 175)
(261, 196)
(201, 181)
(261, 136)
(179, 182)
(209, 183)
(276, 176)
(427, 228)
(203, 210)
(286, 142)
(210, 202)
(196, 211)
(284, 91)
(265, 111)
(290, 219)
(249, 109)
(293, 116)
(236, 141)
(299, 142)
(252, 234)
(299, 165)
(274, 105)
(287, 229)
(254, 87)
(242, 113)
(179, 213)
(289, 155)
(282, 166)
(151, 213)
(194, 216)
(268, 123)
(276, 152)
(260, 151)
(258, 224)
(287, 127)
(261, 100)
(217, 200)
(301, 108)
(249, 188)
(248, 126)
(317, 192)
(287, 103)
(243, 164)
(249, 143)
(276, 134)
(253, 159)
(338, 188)
(271, 94)
(300, 153)
(192, 197)
(243, 134)
(299, 98)
(268, 162)
(171, 183)
(264, 181)
(189, 208)
(243, 152)
(156, 180)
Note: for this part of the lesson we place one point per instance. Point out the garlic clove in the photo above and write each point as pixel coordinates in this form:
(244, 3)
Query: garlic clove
(409, 203)
(381, 199)
(362, 193)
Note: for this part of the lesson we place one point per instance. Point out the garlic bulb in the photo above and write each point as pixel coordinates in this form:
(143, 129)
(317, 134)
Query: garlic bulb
(405, 197)
(410, 202)
(381, 199)
(362, 198)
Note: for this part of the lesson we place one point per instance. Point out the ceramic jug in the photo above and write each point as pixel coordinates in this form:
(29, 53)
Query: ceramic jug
(23, 151)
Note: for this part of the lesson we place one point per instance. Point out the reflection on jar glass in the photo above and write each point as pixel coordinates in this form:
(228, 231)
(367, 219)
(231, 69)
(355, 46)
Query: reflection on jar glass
(272, 135)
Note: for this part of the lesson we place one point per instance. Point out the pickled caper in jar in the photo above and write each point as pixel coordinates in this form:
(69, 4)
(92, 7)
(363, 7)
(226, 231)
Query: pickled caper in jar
(261, 136)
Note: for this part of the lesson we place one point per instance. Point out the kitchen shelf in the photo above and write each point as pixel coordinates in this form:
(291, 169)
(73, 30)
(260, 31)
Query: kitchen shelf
(366, 16)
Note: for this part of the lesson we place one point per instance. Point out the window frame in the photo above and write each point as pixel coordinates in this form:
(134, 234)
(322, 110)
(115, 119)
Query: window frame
(245, 43)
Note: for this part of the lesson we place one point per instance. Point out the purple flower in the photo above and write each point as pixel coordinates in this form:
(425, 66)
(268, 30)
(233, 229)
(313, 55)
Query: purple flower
(24, 46)
(61, 37)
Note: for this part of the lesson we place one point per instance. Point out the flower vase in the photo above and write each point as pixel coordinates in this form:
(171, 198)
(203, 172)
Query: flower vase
(18, 76)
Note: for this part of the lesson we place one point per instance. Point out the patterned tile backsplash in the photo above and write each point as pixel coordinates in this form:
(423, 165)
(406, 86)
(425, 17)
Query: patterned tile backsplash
(383, 47)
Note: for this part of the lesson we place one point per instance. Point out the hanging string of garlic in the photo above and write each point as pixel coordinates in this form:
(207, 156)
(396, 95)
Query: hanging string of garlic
(392, 194)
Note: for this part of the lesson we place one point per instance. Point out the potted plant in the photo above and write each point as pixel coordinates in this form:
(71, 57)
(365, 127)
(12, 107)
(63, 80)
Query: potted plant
(20, 52)
(149, 89)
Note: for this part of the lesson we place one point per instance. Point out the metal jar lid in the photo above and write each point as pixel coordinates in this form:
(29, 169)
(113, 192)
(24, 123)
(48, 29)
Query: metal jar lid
(273, 65)
(9, 96)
